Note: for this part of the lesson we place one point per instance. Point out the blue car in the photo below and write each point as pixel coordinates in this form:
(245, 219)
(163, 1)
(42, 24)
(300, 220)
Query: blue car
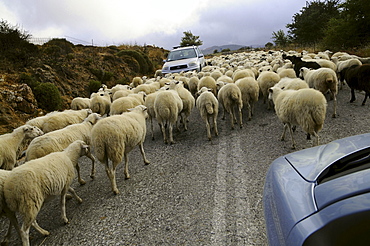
(320, 195)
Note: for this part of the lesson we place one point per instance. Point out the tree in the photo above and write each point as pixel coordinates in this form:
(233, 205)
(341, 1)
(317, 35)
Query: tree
(189, 39)
(308, 27)
(269, 45)
(280, 39)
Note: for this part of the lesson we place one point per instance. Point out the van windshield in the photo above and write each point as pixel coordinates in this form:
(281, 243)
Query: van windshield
(181, 54)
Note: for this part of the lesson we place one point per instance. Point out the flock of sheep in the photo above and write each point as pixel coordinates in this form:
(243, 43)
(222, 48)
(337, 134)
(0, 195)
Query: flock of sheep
(113, 120)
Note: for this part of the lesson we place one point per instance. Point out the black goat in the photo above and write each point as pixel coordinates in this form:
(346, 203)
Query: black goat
(357, 78)
(298, 63)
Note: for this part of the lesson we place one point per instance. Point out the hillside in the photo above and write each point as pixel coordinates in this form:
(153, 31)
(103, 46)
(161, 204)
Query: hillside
(75, 70)
(211, 50)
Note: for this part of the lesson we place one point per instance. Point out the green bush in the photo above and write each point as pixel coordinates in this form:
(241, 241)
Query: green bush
(145, 65)
(101, 75)
(26, 78)
(47, 96)
(94, 86)
(65, 46)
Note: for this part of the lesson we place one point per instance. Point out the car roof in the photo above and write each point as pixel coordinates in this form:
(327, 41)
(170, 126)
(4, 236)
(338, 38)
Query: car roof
(184, 48)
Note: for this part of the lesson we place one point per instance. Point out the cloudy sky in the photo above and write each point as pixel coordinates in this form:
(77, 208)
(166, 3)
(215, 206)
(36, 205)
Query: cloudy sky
(155, 22)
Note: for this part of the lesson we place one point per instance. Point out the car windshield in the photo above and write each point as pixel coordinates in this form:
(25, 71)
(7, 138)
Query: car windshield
(181, 54)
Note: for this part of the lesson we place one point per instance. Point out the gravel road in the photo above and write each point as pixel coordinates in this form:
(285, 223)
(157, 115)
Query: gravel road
(194, 192)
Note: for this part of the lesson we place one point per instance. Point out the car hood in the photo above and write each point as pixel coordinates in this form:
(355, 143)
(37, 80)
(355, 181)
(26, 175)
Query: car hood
(309, 163)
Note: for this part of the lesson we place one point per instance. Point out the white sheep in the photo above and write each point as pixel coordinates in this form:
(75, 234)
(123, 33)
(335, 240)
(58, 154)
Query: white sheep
(100, 104)
(136, 81)
(207, 105)
(147, 88)
(305, 108)
(115, 136)
(324, 80)
(119, 87)
(168, 106)
(265, 81)
(28, 186)
(230, 96)
(216, 74)
(121, 93)
(188, 101)
(291, 84)
(4, 211)
(225, 78)
(149, 103)
(193, 84)
(209, 82)
(286, 72)
(58, 120)
(12, 144)
(243, 73)
(80, 103)
(40, 120)
(123, 104)
(250, 91)
(60, 139)
(341, 65)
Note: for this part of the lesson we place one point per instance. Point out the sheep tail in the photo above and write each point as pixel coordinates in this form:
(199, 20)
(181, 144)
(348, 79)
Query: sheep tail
(234, 96)
(209, 108)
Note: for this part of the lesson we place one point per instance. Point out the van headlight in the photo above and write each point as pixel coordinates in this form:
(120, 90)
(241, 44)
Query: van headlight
(165, 68)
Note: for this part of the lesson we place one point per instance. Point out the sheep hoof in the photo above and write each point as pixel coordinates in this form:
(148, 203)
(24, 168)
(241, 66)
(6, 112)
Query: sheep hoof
(334, 116)
(82, 182)
(92, 176)
(68, 196)
(116, 191)
(147, 162)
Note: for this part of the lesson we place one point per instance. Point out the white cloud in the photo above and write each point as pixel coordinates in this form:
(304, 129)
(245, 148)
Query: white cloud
(160, 22)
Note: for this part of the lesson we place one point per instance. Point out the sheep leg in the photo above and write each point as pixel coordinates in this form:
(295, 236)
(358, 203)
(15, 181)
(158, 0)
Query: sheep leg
(284, 130)
(353, 96)
(232, 119)
(249, 108)
(186, 122)
(151, 127)
(316, 143)
(240, 116)
(40, 229)
(80, 180)
(71, 190)
(146, 161)
(208, 129)
(223, 113)
(334, 105)
(112, 177)
(367, 94)
(215, 125)
(25, 229)
(92, 158)
(291, 135)
(12, 221)
(163, 132)
(125, 170)
(63, 205)
(170, 129)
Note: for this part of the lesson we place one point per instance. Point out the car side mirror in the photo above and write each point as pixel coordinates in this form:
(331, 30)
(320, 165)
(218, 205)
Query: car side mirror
(164, 61)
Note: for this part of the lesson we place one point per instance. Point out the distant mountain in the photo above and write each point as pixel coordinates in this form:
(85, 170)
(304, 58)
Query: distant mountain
(211, 50)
